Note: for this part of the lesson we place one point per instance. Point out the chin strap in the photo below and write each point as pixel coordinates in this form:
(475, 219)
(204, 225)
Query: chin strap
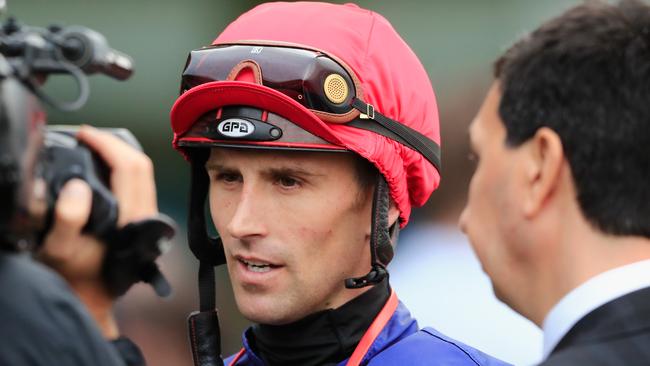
(208, 250)
(203, 325)
(381, 248)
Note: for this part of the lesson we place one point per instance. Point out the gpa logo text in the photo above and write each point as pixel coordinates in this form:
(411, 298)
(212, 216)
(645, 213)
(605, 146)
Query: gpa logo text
(235, 127)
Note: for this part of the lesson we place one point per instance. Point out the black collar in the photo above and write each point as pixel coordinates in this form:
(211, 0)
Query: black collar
(323, 338)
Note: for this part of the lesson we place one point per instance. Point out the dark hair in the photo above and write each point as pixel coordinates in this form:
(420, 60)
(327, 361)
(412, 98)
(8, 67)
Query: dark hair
(586, 75)
(366, 175)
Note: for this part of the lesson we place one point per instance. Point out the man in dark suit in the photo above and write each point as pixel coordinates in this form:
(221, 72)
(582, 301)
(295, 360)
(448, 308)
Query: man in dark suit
(559, 204)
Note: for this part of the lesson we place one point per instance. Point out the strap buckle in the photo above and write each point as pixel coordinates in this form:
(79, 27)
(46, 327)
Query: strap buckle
(370, 112)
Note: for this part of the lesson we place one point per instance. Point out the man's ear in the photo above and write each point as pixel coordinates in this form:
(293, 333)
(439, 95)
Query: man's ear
(544, 163)
(393, 216)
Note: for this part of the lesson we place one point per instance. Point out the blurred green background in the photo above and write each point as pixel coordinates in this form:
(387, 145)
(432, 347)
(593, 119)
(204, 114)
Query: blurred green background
(457, 42)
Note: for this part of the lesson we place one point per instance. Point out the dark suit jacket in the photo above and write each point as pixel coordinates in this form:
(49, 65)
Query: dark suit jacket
(42, 323)
(617, 333)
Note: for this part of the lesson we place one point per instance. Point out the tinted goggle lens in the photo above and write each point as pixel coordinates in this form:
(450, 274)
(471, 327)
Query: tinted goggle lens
(311, 78)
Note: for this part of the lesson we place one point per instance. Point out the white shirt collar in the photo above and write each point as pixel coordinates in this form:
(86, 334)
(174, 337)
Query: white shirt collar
(590, 295)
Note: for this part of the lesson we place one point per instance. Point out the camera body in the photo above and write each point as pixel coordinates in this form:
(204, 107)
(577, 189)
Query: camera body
(63, 158)
(35, 160)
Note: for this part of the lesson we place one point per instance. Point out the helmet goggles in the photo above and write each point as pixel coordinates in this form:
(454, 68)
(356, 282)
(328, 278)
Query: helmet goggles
(319, 82)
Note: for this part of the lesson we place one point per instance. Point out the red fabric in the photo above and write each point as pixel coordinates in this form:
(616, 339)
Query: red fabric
(392, 78)
(246, 75)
